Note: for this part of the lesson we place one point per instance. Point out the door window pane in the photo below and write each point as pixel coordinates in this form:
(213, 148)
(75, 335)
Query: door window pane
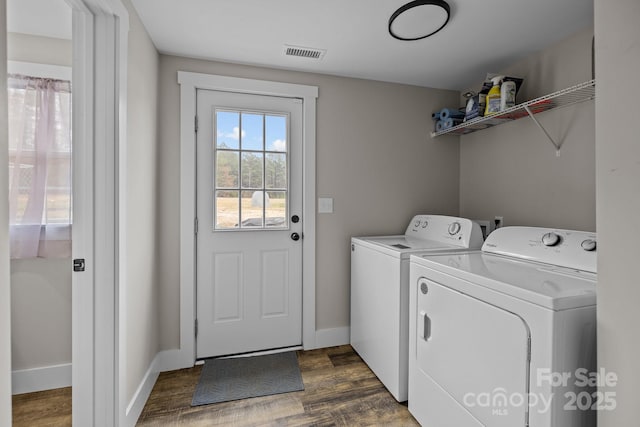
(276, 171)
(227, 129)
(252, 131)
(276, 133)
(227, 209)
(227, 169)
(251, 176)
(276, 212)
(252, 170)
(252, 208)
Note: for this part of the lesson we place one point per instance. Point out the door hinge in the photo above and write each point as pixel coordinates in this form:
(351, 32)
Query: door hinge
(195, 226)
(196, 124)
(196, 327)
(529, 349)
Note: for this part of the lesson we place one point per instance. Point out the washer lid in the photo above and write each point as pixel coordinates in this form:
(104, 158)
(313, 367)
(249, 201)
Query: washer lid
(547, 285)
(402, 245)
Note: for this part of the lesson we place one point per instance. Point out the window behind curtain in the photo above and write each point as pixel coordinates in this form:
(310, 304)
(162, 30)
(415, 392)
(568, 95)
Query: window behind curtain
(40, 209)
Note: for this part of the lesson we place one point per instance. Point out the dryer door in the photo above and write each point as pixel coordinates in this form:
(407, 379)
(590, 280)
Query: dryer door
(476, 352)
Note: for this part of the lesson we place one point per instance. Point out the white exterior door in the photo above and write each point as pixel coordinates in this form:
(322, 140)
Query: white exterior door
(249, 223)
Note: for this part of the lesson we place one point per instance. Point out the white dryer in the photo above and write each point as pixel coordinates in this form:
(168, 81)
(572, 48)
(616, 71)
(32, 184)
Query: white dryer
(380, 291)
(505, 336)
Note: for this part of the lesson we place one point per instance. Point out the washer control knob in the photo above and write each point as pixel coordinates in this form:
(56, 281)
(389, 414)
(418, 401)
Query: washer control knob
(425, 223)
(550, 239)
(417, 224)
(589, 245)
(454, 228)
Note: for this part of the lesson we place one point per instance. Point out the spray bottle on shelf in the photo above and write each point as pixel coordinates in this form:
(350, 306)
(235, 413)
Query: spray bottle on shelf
(507, 95)
(493, 97)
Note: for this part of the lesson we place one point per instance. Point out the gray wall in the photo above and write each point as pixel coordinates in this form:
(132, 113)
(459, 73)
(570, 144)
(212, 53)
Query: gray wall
(41, 288)
(40, 312)
(618, 202)
(512, 170)
(5, 290)
(374, 157)
(142, 190)
(38, 49)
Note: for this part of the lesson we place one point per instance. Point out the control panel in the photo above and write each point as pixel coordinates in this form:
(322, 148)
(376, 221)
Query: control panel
(567, 248)
(449, 229)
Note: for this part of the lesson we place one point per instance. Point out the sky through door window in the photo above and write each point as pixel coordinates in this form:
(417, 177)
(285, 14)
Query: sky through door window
(250, 170)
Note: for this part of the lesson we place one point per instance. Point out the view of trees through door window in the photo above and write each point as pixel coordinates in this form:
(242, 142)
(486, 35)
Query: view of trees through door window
(251, 173)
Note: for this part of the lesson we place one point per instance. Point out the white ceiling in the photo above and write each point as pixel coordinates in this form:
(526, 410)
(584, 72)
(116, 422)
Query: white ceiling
(482, 36)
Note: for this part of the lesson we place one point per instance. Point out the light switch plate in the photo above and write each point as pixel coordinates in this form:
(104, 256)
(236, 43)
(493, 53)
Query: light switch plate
(325, 205)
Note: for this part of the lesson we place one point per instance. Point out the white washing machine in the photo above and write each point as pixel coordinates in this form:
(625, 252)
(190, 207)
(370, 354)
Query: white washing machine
(505, 336)
(380, 291)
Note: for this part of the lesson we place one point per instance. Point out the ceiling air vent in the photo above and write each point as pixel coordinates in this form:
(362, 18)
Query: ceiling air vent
(304, 52)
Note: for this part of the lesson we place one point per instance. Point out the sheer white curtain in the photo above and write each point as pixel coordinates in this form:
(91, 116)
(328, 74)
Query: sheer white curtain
(39, 167)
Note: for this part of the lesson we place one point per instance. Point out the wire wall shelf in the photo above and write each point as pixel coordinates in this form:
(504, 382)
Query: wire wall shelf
(573, 95)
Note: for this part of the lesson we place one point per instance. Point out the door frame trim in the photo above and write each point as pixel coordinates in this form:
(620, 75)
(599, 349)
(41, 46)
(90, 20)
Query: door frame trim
(189, 83)
(100, 55)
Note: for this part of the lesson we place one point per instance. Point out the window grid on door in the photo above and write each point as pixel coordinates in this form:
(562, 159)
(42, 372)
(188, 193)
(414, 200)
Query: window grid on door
(251, 173)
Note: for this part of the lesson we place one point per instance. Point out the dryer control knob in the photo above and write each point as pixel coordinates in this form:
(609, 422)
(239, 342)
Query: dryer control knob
(550, 239)
(589, 245)
(454, 228)
(417, 224)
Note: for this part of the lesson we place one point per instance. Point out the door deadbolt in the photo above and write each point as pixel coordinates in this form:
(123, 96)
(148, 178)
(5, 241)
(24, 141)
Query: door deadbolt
(295, 219)
(295, 237)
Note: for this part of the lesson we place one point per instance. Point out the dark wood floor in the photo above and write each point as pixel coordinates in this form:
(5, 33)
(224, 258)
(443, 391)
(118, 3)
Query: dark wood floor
(340, 390)
(45, 408)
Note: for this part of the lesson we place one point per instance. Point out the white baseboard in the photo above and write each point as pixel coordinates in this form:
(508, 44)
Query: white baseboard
(140, 397)
(38, 379)
(332, 337)
(171, 360)
(168, 360)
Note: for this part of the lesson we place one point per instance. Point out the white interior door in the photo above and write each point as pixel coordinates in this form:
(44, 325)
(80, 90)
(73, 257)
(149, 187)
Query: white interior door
(249, 223)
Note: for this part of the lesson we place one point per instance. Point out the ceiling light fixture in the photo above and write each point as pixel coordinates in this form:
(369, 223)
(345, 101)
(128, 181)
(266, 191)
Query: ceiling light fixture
(419, 19)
